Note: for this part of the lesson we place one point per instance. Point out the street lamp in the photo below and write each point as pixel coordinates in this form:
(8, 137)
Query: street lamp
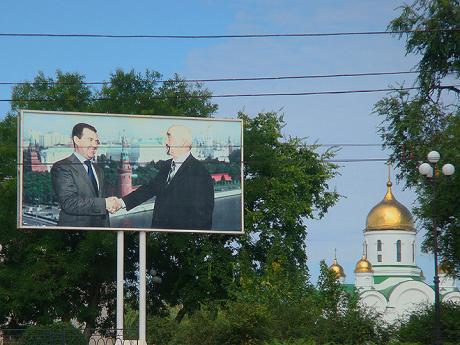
(431, 172)
(156, 279)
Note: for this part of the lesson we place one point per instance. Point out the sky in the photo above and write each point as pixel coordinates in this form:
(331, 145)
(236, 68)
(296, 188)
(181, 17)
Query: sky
(323, 119)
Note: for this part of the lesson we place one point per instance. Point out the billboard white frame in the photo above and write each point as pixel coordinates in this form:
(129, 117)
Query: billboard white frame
(110, 121)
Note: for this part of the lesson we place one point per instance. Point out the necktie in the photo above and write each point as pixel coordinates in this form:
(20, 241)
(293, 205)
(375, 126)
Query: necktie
(91, 175)
(172, 171)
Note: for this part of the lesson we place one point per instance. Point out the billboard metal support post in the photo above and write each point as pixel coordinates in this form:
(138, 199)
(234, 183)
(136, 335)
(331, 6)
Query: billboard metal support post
(142, 286)
(120, 283)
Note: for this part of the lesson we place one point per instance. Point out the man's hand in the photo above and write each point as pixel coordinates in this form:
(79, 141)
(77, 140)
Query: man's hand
(112, 204)
(122, 203)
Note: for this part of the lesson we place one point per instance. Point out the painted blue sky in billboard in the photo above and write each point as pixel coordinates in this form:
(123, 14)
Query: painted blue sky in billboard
(114, 127)
(326, 119)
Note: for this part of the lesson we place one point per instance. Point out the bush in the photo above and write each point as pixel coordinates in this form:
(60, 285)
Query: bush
(58, 333)
(236, 324)
(419, 327)
(291, 342)
(160, 330)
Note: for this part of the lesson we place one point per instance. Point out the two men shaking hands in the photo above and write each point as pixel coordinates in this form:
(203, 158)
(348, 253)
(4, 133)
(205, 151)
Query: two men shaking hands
(183, 188)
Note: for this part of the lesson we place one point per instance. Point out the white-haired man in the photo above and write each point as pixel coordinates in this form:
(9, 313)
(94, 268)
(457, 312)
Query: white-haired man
(183, 188)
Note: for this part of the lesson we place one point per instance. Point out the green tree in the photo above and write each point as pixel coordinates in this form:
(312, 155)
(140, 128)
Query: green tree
(342, 320)
(37, 188)
(145, 173)
(278, 306)
(136, 93)
(286, 182)
(415, 123)
(419, 326)
(57, 333)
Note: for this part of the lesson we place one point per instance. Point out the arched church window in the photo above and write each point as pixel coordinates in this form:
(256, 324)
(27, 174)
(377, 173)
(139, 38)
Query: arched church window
(398, 250)
(379, 245)
(413, 252)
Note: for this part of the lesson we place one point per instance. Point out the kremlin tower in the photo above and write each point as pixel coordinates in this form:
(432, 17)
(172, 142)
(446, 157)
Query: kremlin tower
(125, 185)
(32, 160)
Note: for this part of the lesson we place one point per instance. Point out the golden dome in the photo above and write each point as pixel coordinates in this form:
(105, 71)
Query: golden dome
(389, 214)
(363, 266)
(337, 269)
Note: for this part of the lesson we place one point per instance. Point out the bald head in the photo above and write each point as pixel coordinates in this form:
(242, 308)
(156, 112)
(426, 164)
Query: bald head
(178, 140)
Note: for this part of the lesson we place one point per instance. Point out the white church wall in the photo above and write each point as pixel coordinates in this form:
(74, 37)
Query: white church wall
(452, 297)
(374, 300)
(364, 280)
(446, 283)
(388, 250)
(409, 296)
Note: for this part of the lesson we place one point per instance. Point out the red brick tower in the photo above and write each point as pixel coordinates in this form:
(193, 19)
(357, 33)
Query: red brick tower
(124, 171)
(33, 160)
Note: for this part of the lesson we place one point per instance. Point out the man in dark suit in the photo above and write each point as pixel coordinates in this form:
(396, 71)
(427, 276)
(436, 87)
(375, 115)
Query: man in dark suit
(79, 183)
(183, 188)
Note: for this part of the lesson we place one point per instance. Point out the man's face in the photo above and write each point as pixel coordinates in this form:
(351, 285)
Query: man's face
(87, 144)
(173, 142)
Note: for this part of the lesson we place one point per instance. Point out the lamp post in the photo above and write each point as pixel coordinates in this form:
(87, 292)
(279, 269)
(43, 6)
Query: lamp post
(430, 170)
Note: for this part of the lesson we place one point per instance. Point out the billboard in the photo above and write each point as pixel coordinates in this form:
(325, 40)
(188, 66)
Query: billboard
(86, 171)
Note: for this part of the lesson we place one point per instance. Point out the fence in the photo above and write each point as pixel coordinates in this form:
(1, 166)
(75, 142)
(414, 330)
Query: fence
(61, 337)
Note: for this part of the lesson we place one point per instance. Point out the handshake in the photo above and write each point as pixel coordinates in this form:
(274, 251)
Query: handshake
(113, 204)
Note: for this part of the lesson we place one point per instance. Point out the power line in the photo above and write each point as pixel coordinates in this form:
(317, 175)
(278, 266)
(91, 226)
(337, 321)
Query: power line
(313, 93)
(315, 76)
(285, 35)
(357, 160)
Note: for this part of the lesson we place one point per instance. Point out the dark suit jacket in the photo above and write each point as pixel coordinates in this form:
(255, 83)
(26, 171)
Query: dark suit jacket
(81, 206)
(187, 202)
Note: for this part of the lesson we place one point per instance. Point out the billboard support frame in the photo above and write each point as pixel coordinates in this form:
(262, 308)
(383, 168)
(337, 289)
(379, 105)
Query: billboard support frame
(142, 287)
(120, 284)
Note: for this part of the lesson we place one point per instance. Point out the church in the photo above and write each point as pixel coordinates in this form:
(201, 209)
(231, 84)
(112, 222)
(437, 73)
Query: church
(387, 277)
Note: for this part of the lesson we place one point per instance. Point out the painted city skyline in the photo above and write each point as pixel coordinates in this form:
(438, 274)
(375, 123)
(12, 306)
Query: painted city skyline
(58, 127)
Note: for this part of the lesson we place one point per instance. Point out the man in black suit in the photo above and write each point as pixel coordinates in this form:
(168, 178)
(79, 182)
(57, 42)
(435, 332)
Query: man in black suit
(79, 183)
(183, 188)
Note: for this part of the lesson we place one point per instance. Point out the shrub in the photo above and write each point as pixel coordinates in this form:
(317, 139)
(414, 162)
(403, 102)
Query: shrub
(57, 333)
(419, 327)
(291, 342)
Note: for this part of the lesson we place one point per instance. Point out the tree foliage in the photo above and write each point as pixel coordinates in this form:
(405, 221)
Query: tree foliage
(276, 307)
(285, 182)
(415, 123)
(418, 328)
(434, 35)
(57, 333)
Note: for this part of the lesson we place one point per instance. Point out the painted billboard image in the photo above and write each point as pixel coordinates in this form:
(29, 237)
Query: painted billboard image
(84, 171)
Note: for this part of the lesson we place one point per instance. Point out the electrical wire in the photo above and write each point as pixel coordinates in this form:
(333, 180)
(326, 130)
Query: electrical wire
(317, 76)
(285, 35)
(268, 94)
